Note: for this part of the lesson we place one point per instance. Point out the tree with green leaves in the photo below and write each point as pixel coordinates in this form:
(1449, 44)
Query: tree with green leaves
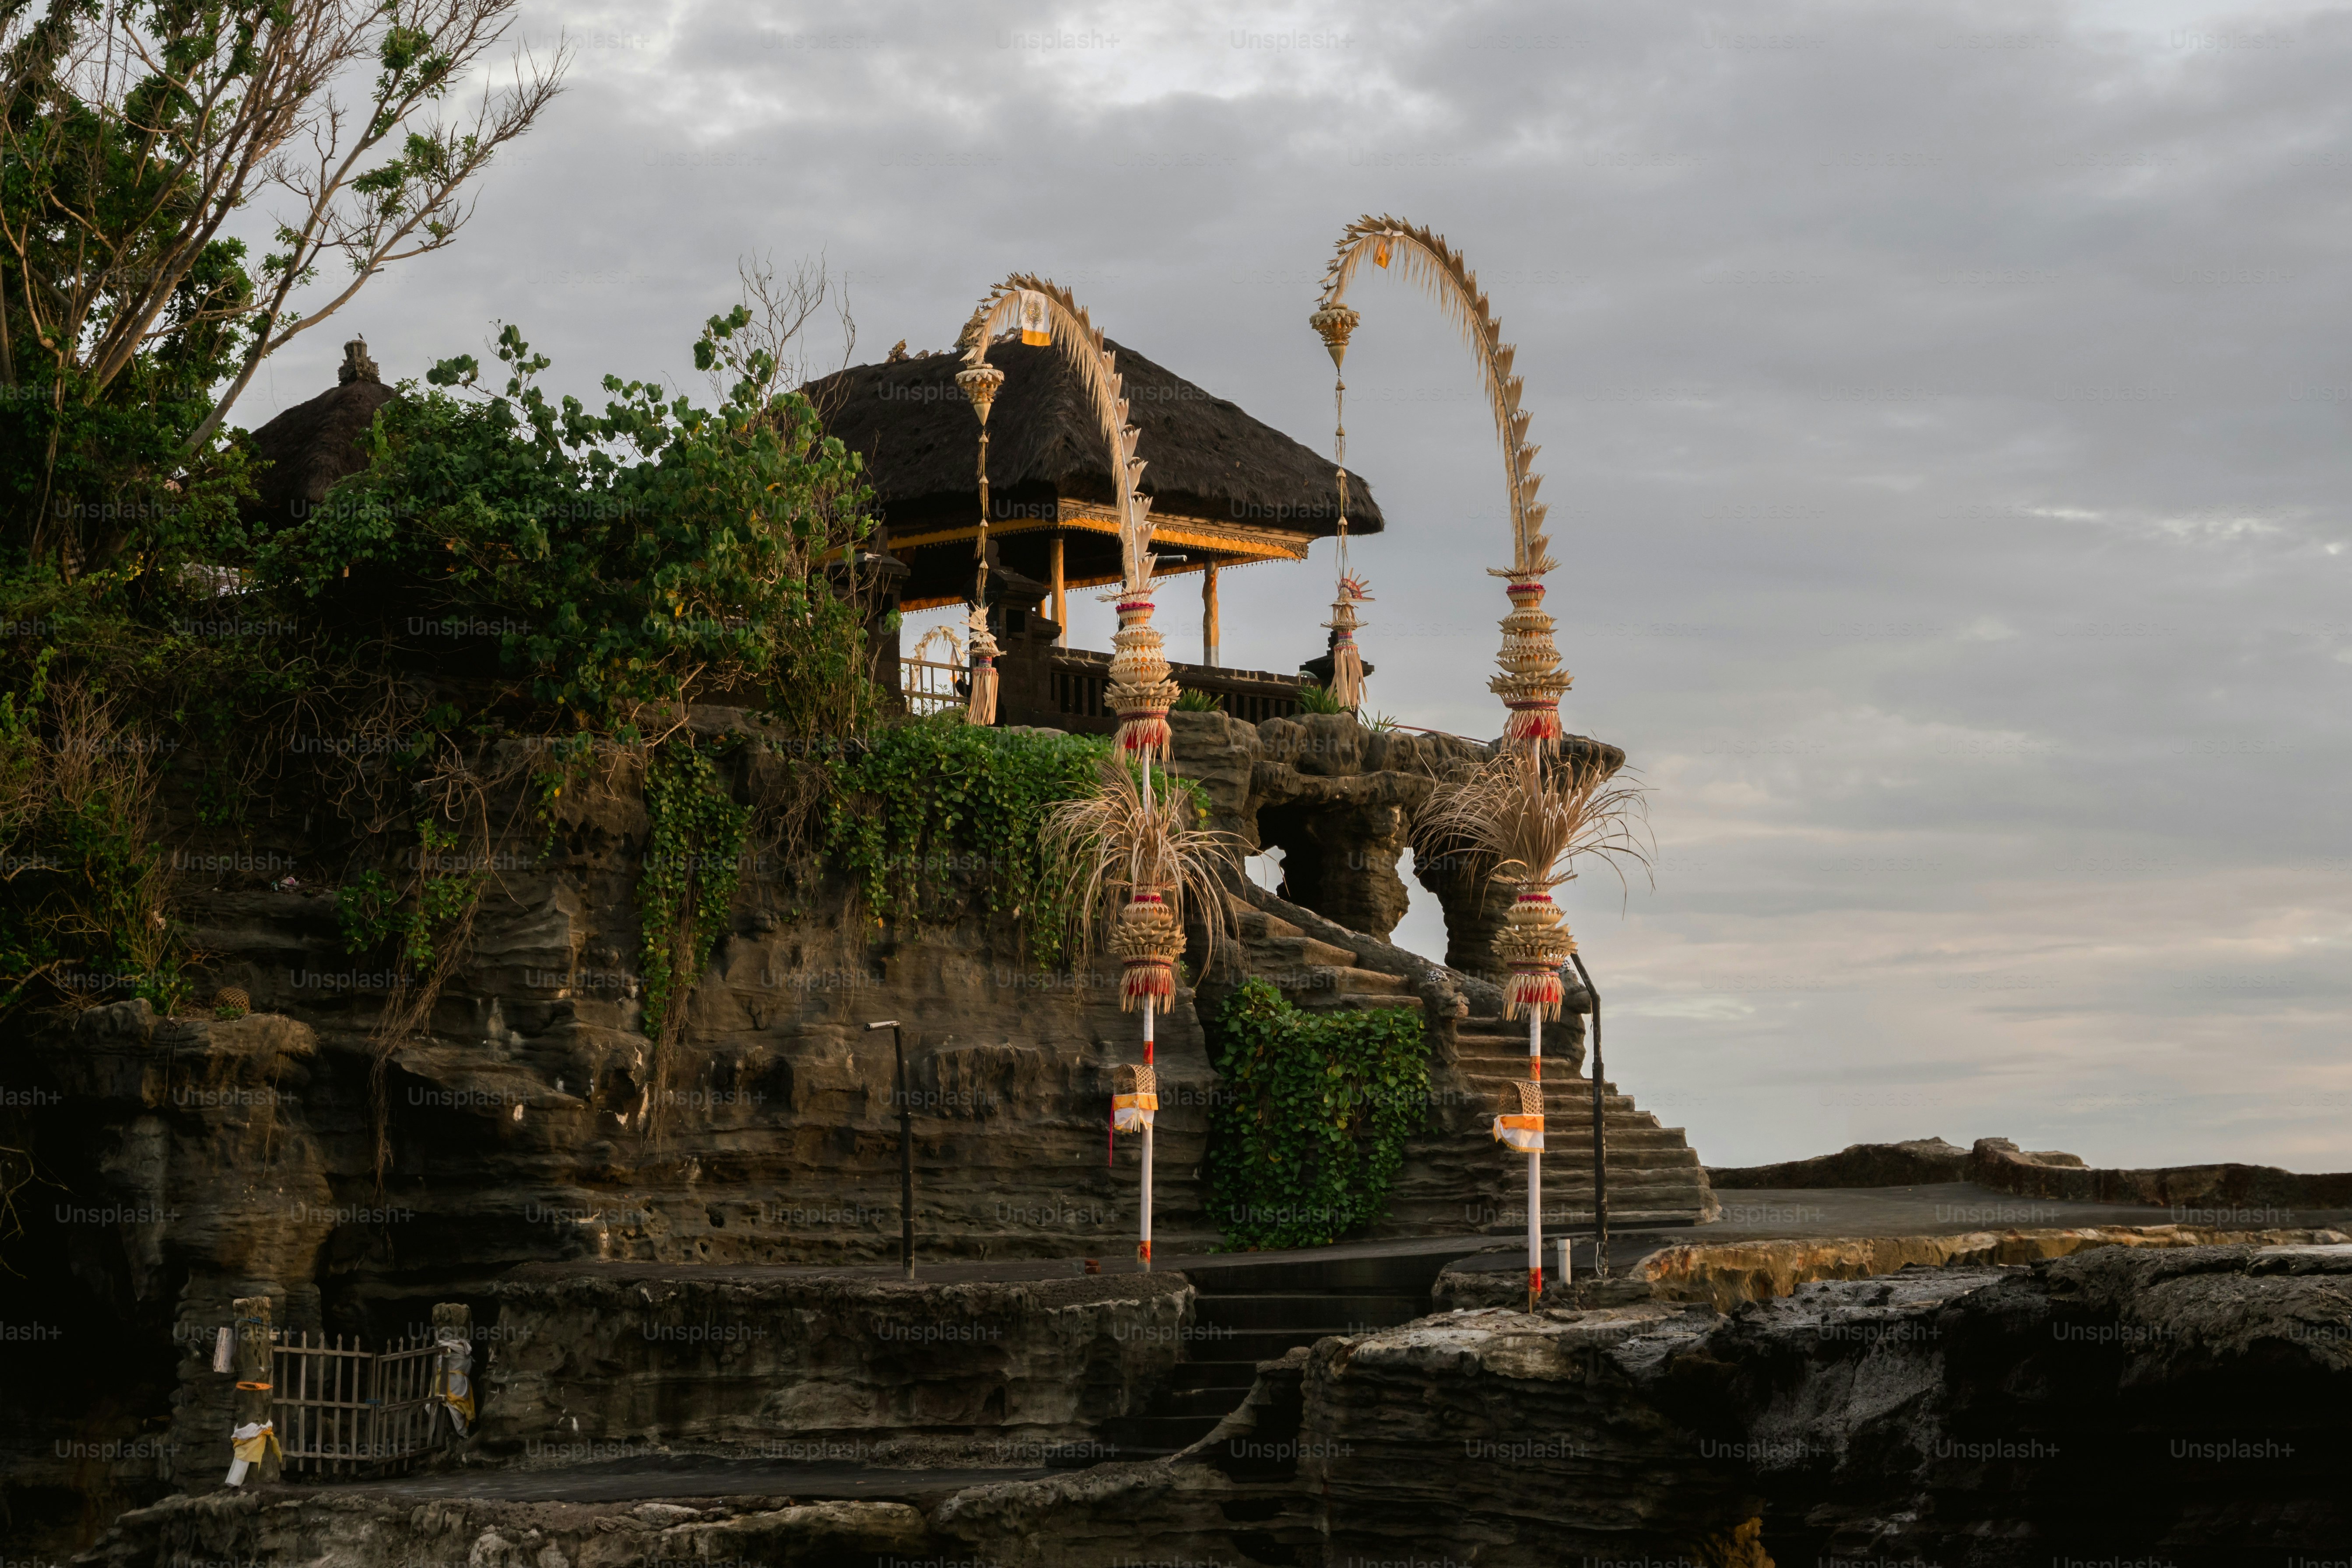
(624, 557)
(132, 135)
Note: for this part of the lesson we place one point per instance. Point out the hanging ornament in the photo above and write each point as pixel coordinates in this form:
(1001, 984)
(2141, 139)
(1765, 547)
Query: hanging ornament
(1036, 319)
(1521, 1125)
(982, 646)
(1335, 324)
(1136, 1101)
(979, 384)
(1347, 659)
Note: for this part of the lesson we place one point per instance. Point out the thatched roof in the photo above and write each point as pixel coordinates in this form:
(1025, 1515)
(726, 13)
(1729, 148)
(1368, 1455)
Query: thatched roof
(312, 444)
(1208, 459)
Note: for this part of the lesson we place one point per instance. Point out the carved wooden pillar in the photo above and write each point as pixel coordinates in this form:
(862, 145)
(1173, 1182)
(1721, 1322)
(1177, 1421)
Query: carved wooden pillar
(1061, 599)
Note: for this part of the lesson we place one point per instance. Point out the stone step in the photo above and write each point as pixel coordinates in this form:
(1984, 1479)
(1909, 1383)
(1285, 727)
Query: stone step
(1216, 1404)
(1337, 977)
(1253, 924)
(1296, 953)
(1560, 1130)
(1157, 1437)
(1233, 1376)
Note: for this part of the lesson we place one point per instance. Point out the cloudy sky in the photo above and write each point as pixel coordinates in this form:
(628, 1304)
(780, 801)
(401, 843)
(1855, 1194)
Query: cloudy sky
(1944, 410)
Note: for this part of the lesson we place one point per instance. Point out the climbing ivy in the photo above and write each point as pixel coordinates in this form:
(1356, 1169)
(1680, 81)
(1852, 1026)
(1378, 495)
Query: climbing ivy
(694, 858)
(1311, 1124)
(936, 809)
(375, 910)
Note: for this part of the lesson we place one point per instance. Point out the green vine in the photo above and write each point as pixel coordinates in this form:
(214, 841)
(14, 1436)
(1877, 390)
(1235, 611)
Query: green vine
(1312, 1124)
(694, 858)
(939, 810)
(375, 910)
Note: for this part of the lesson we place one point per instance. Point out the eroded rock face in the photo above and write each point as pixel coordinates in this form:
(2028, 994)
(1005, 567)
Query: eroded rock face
(620, 1359)
(1918, 1162)
(2194, 1192)
(2178, 1405)
(1727, 1274)
(2122, 1401)
(1338, 800)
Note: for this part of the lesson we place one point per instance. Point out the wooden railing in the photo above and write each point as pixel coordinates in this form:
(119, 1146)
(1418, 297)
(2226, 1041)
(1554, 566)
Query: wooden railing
(1079, 680)
(1069, 691)
(929, 686)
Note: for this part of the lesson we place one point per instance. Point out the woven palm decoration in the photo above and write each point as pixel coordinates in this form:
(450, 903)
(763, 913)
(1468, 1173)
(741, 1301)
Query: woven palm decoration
(1521, 1125)
(1139, 690)
(979, 383)
(1136, 1101)
(1347, 659)
(1528, 819)
(982, 649)
(1137, 864)
(1533, 946)
(1335, 324)
(1532, 682)
(233, 1001)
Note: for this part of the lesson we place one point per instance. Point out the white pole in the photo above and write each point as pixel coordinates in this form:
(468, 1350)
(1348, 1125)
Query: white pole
(1147, 1144)
(1535, 1165)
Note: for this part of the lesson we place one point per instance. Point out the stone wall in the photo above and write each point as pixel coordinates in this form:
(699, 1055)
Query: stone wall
(619, 1359)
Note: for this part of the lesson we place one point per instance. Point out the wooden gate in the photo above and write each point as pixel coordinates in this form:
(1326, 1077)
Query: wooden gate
(341, 1409)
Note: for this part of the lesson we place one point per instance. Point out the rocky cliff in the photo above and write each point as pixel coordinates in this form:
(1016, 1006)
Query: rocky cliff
(356, 1180)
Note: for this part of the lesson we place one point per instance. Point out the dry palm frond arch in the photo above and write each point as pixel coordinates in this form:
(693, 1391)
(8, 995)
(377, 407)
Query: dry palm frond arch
(1531, 682)
(1139, 691)
(943, 633)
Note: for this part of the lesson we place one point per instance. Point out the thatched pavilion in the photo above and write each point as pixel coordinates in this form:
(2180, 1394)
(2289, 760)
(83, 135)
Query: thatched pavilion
(1226, 490)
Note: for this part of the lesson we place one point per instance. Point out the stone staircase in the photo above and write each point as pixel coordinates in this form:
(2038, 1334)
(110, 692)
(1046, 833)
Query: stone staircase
(1313, 974)
(1246, 1311)
(1456, 1179)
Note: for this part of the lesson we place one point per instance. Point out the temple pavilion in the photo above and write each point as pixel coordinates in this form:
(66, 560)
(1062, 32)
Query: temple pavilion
(1227, 491)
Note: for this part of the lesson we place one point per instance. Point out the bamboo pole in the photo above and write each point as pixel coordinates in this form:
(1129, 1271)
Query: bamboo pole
(1535, 1166)
(1145, 1254)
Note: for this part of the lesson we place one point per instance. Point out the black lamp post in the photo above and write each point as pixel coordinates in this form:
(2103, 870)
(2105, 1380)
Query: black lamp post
(1600, 1135)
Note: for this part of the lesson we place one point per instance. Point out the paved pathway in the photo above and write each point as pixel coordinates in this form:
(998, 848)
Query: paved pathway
(652, 1477)
(1752, 1214)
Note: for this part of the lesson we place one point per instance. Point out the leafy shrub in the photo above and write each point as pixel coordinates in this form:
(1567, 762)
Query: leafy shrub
(1312, 1127)
(621, 557)
(1319, 699)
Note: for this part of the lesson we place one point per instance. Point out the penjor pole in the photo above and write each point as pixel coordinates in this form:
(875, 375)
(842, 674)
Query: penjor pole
(1535, 1166)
